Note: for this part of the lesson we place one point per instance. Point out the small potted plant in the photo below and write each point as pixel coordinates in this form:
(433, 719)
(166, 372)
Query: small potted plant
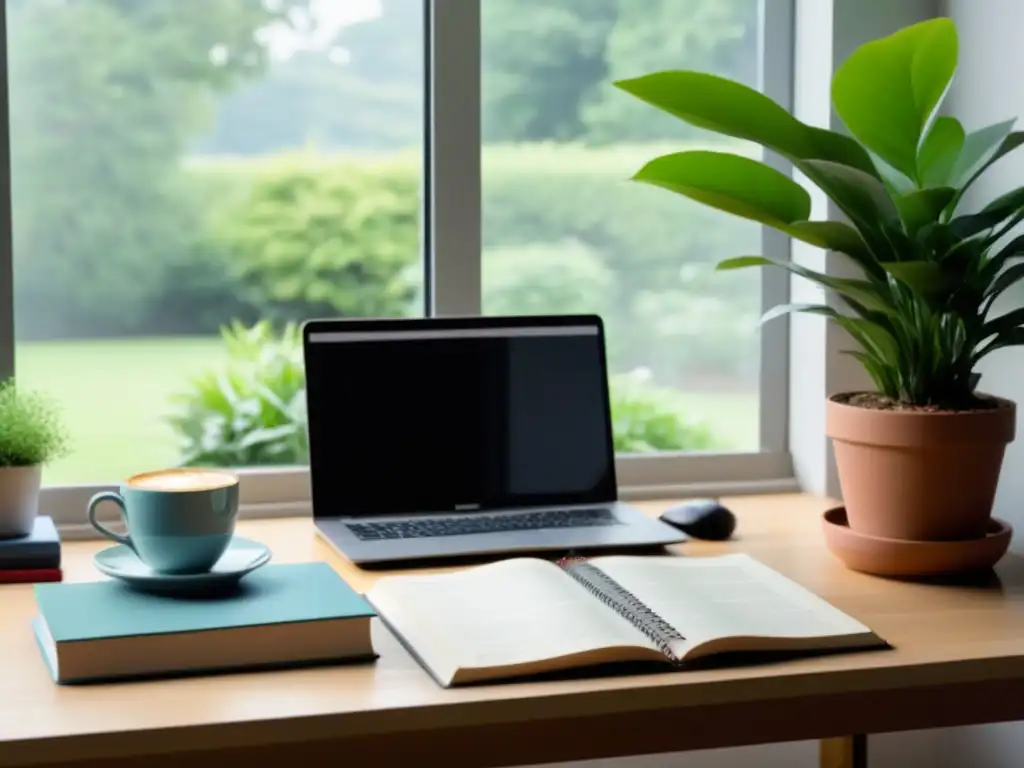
(31, 434)
(919, 458)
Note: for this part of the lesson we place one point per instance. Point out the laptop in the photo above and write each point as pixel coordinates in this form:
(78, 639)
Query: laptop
(450, 437)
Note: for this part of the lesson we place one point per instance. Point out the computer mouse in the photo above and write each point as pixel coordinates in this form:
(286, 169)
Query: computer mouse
(701, 519)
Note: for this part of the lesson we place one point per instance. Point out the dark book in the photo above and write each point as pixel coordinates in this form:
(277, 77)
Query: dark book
(40, 549)
(31, 576)
(280, 616)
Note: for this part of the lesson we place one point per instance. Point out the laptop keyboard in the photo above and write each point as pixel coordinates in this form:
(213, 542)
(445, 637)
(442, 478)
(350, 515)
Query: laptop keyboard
(480, 523)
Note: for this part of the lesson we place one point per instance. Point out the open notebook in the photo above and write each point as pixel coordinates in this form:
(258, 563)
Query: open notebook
(527, 616)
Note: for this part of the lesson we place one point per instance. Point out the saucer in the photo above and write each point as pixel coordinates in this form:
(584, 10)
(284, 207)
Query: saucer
(902, 558)
(243, 556)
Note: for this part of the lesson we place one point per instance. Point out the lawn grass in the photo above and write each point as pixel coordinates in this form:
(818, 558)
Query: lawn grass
(116, 392)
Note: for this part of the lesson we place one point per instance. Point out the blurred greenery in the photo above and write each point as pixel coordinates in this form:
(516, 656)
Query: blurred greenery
(718, 36)
(250, 410)
(175, 171)
(545, 279)
(98, 124)
(325, 239)
(646, 418)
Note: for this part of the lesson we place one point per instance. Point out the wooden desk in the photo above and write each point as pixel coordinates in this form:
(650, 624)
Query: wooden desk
(959, 659)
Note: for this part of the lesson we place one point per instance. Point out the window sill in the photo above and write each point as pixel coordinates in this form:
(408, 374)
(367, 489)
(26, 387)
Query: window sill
(284, 492)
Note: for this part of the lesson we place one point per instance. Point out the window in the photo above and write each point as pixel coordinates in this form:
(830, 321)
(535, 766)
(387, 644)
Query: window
(564, 231)
(184, 170)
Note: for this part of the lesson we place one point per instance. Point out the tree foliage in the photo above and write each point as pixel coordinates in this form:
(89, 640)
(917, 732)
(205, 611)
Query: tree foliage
(719, 36)
(105, 97)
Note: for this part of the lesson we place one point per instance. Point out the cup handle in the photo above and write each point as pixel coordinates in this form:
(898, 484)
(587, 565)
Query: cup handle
(117, 499)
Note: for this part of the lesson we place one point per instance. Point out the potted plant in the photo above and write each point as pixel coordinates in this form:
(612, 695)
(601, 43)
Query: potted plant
(31, 434)
(919, 458)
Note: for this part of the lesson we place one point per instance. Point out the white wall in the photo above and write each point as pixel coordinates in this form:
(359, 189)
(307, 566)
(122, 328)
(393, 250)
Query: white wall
(989, 87)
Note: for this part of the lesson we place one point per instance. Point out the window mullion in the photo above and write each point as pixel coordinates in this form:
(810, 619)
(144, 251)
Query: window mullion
(452, 199)
(776, 51)
(6, 245)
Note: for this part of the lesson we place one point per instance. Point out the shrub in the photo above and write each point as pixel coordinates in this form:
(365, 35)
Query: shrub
(646, 418)
(545, 278)
(555, 192)
(251, 411)
(31, 428)
(316, 238)
(624, 246)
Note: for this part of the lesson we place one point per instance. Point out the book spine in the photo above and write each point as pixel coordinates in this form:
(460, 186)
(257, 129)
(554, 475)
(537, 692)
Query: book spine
(626, 604)
(30, 555)
(31, 576)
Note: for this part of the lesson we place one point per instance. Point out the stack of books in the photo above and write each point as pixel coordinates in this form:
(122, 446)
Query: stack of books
(34, 558)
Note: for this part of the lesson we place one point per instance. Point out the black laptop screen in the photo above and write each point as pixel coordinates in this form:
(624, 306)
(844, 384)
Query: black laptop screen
(408, 417)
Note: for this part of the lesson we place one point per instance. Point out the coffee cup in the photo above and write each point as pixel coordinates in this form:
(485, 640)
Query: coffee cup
(179, 520)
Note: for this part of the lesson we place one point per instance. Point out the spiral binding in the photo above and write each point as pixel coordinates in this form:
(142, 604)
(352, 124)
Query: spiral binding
(625, 603)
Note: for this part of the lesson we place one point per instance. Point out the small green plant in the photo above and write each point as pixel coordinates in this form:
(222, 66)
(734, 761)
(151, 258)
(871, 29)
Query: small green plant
(31, 428)
(646, 418)
(930, 271)
(252, 410)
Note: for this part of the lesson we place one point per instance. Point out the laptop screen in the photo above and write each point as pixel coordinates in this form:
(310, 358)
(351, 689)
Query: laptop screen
(445, 415)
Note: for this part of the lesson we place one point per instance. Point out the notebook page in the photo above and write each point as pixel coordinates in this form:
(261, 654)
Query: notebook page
(732, 595)
(511, 612)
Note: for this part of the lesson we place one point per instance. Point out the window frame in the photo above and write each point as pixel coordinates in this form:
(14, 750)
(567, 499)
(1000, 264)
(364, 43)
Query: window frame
(451, 241)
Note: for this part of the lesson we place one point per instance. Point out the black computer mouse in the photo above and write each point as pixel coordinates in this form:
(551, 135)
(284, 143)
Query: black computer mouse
(701, 519)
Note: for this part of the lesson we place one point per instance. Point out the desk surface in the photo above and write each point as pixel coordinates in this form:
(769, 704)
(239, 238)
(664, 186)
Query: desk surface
(958, 659)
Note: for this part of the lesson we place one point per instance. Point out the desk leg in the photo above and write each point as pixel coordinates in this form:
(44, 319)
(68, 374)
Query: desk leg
(844, 752)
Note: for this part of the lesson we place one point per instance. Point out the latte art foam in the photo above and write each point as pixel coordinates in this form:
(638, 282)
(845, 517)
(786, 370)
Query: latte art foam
(182, 480)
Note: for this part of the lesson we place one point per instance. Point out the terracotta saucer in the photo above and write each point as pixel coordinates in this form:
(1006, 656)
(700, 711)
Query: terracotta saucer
(896, 557)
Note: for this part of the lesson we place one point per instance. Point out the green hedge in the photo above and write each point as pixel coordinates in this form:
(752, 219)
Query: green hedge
(564, 230)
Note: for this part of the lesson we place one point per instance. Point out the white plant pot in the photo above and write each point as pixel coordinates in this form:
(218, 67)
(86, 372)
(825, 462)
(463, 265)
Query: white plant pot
(19, 500)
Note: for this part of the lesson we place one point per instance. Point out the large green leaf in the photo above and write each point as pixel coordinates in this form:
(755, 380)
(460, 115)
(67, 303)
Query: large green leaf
(731, 183)
(1004, 323)
(723, 106)
(838, 148)
(926, 278)
(870, 336)
(887, 90)
(993, 214)
(939, 151)
(978, 147)
(996, 262)
(786, 309)
(863, 292)
(1006, 279)
(1011, 338)
(895, 182)
(727, 107)
(836, 236)
(923, 207)
(1008, 144)
(861, 197)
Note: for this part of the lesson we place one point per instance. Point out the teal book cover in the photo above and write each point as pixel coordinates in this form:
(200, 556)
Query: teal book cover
(275, 594)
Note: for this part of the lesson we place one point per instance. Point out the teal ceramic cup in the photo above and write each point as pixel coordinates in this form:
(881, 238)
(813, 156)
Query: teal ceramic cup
(178, 520)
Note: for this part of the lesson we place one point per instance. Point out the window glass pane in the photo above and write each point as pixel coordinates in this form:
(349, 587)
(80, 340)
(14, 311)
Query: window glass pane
(181, 166)
(564, 231)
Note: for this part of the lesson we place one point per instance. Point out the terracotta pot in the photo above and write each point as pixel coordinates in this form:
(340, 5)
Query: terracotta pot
(19, 500)
(920, 476)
